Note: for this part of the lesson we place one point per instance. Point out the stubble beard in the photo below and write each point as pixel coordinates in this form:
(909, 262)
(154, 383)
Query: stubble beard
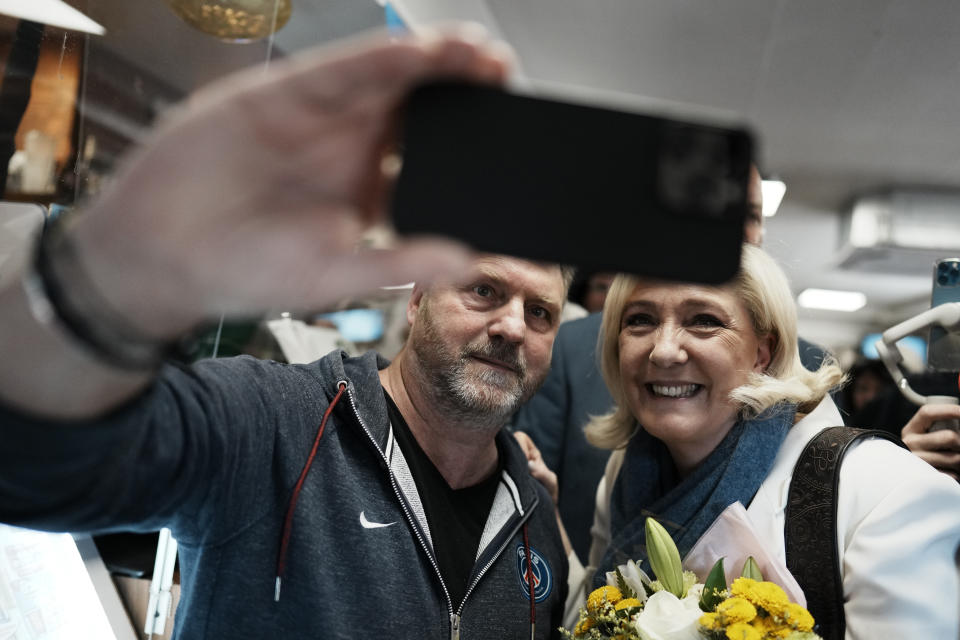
(469, 392)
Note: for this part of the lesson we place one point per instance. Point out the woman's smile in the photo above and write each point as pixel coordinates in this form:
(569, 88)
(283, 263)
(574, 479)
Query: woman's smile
(673, 390)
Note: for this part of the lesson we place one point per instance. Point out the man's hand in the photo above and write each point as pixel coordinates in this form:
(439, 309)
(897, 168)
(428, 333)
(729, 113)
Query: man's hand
(250, 197)
(253, 195)
(538, 468)
(939, 448)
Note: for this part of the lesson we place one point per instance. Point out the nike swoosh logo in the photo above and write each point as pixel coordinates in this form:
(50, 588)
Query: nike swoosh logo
(366, 524)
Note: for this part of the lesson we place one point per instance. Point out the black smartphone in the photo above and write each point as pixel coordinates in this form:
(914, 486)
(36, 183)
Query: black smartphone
(943, 347)
(601, 189)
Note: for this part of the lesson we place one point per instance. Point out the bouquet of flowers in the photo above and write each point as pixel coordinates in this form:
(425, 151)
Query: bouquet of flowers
(675, 606)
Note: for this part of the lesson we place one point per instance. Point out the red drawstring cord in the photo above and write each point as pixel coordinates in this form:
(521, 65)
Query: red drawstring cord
(533, 601)
(288, 520)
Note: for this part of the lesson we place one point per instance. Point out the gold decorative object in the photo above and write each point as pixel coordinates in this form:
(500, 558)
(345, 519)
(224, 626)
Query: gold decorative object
(234, 20)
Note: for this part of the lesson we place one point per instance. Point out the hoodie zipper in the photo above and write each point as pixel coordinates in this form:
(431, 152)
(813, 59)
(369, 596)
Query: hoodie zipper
(454, 617)
(454, 626)
(496, 556)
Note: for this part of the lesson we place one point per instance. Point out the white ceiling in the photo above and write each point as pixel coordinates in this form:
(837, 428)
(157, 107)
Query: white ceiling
(847, 98)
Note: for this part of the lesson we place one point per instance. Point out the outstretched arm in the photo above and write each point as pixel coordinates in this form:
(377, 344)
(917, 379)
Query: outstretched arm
(249, 197)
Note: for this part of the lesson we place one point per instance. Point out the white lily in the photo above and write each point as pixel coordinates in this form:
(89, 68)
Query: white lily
(634, 576)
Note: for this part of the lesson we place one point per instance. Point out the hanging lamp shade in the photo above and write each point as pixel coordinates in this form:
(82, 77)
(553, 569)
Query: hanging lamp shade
(234, 20)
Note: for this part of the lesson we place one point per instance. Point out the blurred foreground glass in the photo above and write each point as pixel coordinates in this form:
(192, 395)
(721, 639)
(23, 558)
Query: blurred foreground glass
(234, 20)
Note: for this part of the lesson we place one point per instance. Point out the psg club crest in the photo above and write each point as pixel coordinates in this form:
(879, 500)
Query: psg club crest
(542, 575)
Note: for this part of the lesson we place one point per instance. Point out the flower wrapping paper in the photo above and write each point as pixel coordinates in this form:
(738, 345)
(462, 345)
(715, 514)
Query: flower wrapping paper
(733, 537)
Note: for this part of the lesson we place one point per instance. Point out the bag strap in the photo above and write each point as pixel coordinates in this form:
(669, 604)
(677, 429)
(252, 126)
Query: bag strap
(810, 534)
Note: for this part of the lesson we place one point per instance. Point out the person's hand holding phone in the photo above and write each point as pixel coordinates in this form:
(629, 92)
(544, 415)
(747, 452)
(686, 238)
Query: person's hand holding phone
(254, 194)
(250, 197)
(940, 448)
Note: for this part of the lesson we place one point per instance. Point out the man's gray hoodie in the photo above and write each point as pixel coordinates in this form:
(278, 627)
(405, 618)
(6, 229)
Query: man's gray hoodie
(215, 451)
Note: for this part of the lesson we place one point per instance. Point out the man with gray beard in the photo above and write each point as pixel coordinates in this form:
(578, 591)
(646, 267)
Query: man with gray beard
(479, 347)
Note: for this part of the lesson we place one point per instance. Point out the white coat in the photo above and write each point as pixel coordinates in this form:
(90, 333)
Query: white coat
(898, 532)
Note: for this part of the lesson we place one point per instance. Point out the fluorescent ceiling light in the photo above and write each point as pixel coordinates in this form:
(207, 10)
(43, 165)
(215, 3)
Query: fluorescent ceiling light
(56, 13)
(831, 300)
(773, 191)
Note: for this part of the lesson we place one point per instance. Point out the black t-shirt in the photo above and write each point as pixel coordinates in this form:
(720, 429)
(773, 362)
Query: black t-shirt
(456, 516)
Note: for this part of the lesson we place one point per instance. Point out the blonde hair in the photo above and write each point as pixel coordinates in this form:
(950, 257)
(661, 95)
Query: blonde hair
(764, 291)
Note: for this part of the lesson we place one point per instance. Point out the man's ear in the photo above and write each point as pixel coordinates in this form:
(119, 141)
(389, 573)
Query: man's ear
(413, 305)
(766, 345)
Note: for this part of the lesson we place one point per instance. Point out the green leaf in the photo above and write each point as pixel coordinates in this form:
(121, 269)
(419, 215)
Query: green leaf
(623, 586)
(751, 570)
(714, 587)
(664, 558)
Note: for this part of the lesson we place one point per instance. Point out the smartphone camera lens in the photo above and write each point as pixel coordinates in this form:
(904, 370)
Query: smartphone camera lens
(695, 169)
(948, 274)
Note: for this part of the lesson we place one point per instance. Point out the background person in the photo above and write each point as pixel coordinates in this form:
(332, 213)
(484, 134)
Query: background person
(713, 406)
(589, 290)
(866, 380)
(306, 499)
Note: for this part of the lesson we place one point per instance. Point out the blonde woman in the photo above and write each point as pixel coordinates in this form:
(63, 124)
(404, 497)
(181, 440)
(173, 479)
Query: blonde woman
(713, 407)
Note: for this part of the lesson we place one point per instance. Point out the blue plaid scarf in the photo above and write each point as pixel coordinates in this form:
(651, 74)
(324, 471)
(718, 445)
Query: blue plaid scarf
(648, 486)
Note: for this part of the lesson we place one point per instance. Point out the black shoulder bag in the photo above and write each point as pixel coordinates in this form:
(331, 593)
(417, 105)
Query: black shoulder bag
(810, 534)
